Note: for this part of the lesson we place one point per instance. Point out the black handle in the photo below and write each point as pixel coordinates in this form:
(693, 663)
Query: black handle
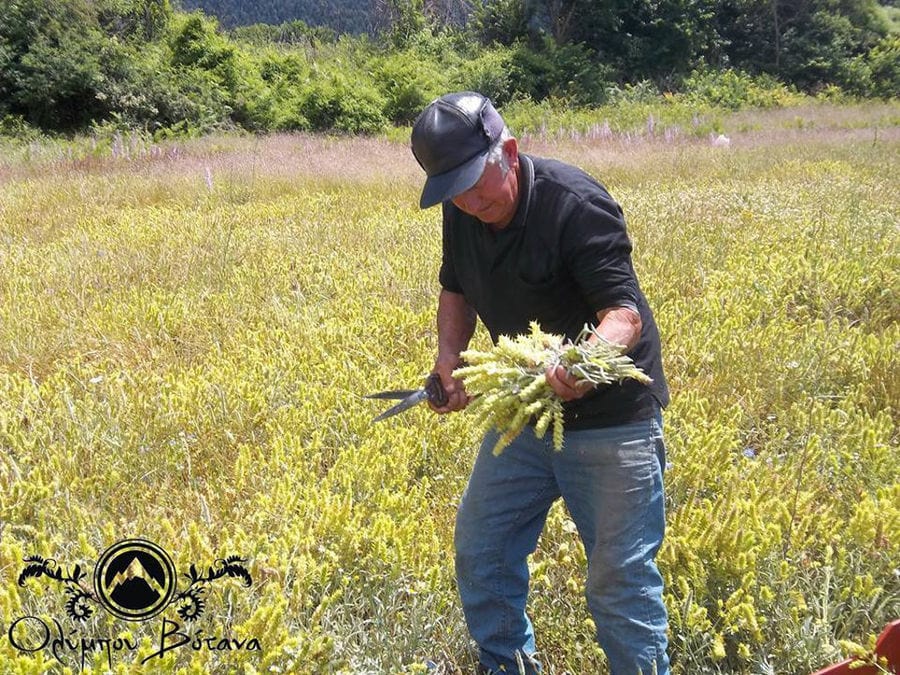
(435, 390)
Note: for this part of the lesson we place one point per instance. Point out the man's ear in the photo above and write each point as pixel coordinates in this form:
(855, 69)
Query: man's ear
(511, 150)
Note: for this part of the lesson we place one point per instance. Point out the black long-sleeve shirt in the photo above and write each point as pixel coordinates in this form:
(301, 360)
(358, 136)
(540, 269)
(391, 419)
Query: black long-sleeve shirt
(565, 256)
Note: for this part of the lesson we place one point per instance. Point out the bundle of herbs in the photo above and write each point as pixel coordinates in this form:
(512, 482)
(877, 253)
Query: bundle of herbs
(509, 384)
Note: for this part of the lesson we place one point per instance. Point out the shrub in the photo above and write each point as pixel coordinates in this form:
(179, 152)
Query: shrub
(253, 101)
(56, 82)
(735, 89)
(568, 71)
(408, 81)
(640, 92)
(282, 74)
(191, 100)
(884, 59)
(335, 102)
(487, 73)
(16, 126)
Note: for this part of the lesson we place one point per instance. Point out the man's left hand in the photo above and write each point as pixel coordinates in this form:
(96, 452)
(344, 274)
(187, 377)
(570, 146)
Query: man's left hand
(565, 385)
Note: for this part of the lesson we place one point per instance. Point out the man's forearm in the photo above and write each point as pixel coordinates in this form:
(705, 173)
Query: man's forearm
(620, 326)
(456, 324)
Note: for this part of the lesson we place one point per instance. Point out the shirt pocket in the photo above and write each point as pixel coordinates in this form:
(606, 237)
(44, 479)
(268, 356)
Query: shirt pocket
(548, 300)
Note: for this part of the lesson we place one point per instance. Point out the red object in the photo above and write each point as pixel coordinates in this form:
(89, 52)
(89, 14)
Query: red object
(888, 646)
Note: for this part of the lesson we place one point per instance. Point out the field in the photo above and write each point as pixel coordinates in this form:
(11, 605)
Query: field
(186, 330)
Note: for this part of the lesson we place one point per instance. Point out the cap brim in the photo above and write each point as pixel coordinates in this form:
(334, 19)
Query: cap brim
(447, 185)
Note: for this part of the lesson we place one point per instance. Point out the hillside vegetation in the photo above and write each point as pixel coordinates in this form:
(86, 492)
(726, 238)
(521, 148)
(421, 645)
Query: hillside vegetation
(69, 66)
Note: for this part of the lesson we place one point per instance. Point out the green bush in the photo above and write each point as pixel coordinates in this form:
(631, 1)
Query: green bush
(254, 102)
(225, 85)
(58, 83)
(6, 61)
(65, 66)
(197, 44)
(500, 22)
(639, 92)
(290, 32)
(283, 75)
(569, 71)
(409, 81)
(735, 89)
(288, 116)
(335, 102)
(133, 89)
(15, 126)
(487, 73)
(884, 59)
(192, 99)
(140, 21)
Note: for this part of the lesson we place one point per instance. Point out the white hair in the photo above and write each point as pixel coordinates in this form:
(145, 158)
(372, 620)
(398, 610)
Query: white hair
(496, 155)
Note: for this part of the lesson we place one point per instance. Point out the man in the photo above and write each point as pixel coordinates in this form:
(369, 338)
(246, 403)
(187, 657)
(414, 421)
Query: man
(525, 239)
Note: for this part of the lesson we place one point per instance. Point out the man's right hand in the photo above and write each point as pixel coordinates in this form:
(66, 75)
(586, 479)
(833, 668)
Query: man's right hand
(457, 399)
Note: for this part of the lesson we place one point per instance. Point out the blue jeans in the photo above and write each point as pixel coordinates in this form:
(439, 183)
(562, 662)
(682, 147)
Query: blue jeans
(611, 482)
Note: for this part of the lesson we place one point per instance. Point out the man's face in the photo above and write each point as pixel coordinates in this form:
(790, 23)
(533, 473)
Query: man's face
(494, 198)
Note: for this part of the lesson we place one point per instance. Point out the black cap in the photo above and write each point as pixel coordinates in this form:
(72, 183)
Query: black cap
(450, 140)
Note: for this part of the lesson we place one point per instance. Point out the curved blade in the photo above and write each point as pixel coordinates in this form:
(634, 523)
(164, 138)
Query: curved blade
(416, 397)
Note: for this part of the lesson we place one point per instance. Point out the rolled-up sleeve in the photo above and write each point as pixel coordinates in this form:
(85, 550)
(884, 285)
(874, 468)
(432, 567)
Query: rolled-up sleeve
(597, 250)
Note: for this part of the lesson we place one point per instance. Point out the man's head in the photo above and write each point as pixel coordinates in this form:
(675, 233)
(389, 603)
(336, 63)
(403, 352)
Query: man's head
(466, 150)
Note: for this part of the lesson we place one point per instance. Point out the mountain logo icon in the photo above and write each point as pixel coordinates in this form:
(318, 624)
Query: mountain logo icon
(135, 579)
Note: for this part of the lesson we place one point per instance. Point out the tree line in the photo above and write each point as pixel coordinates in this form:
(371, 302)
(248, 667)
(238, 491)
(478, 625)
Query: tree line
(341, 16)
(68, 65)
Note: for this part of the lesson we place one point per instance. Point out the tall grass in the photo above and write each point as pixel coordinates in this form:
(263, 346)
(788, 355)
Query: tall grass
(186, 330)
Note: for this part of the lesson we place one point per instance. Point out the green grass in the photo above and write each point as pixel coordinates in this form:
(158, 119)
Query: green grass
(186, 330)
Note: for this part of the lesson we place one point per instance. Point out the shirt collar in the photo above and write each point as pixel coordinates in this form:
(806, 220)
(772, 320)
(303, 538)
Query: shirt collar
(526, 185)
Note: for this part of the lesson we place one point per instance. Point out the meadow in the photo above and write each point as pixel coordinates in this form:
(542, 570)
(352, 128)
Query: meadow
(187, 329)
